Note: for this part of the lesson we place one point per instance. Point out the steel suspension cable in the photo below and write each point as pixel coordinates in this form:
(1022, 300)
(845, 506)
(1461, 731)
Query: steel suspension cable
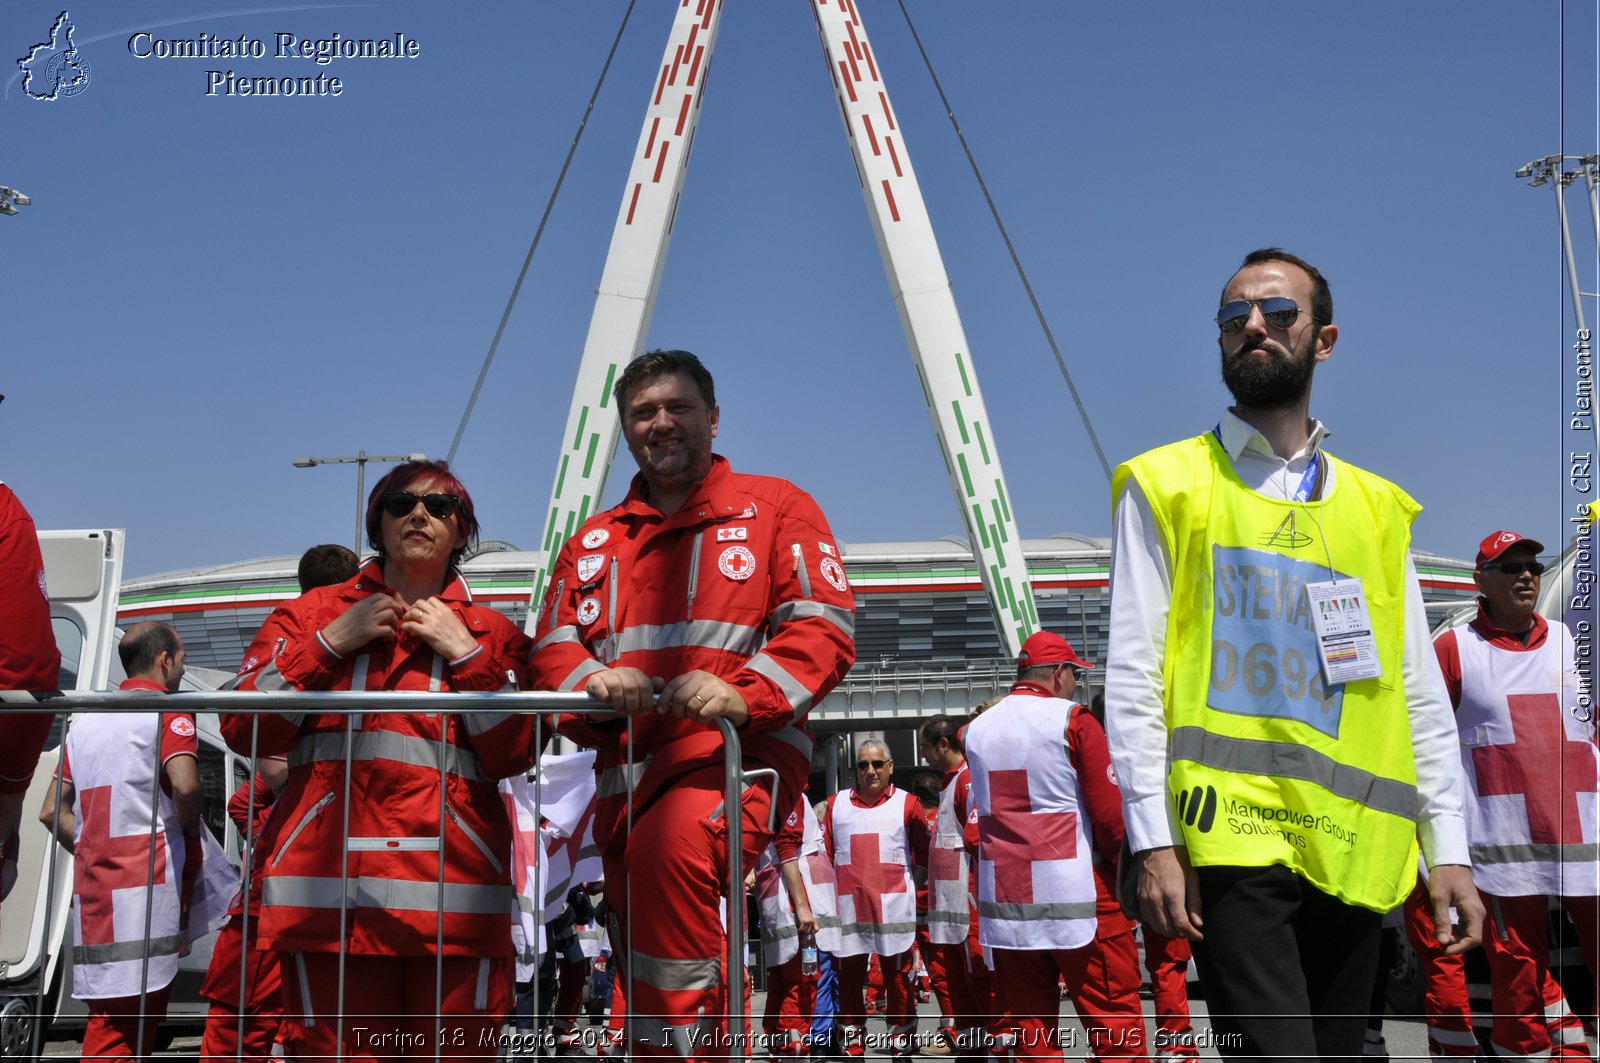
(516, 289)
(1027, 286)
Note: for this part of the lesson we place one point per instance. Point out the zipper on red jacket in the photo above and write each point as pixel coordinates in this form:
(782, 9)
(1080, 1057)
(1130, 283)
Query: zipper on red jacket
(800, 569)
(694, 575)
(472, 836)
(305, 821)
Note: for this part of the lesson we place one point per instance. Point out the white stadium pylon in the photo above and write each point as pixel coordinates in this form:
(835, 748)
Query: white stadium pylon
(911, 258)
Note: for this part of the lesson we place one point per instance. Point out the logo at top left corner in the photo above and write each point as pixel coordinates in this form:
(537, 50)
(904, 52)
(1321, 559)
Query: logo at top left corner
(54, 69)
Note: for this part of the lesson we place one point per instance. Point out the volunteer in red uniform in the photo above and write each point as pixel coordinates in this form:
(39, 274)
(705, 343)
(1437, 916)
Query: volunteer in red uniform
(405, 621)
(1041, 776)
(876, 834)
(722, 593)
(101, 813)
(29, 661)
(795, 890)
(952, 911)
(1531, 764)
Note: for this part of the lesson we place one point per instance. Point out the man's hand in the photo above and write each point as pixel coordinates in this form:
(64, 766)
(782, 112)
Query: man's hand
(1169, 893)
(804, 919)
(627, 690)
(437, 624)
(1450, 886)
(372, 619)
(702, 697)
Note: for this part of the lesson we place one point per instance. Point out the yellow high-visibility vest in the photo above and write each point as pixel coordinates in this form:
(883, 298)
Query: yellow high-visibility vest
(1270, 765)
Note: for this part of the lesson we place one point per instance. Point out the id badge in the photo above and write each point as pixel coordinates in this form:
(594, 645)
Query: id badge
(1344, 631)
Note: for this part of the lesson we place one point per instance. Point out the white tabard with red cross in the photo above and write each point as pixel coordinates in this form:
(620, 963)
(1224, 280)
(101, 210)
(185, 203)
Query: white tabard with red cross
(1532, 765)
(948, 915)
(1035, 880)
(872, 860)
(114, 767)
(780, 939)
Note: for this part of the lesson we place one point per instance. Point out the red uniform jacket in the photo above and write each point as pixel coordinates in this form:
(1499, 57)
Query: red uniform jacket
(743, 581)
(29, 659)
(394, 818)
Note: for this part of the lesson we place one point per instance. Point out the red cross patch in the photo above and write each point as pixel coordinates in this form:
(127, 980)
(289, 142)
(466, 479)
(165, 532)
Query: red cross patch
(182, 726)
(594, 537)
(833, 572)
(737, 562)
(588, 610)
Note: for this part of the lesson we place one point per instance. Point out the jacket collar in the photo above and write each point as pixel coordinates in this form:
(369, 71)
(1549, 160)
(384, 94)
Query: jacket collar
(715, 497)
(1499, 636)
(139, 683)
(369, 580)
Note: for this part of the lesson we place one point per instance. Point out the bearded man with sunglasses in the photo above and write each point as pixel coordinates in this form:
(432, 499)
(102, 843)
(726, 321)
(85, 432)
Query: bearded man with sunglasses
(1279, 726)
(1528, 751)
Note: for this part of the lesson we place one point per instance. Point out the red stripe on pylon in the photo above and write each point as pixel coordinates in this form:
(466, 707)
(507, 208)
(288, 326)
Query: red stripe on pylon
(894, 211)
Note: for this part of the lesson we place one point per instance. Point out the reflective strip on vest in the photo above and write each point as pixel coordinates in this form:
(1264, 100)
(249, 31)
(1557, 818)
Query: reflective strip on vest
(620, 778)
(323, 746)
(460, 898)
(479, 722)
(676, 975)
(584, 670)
(1554, 852)
(794, 692)
(843, 619)
(1289, 761)
(123, 951)
(794, 737)
(566, 633)
(1019, 911)
(394, 845)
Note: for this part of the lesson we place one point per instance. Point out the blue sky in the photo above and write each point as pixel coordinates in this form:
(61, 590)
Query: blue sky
(204, 288)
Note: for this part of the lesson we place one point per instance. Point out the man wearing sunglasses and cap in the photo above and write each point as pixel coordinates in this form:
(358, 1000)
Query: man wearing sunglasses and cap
(1280, 730)
(1049, 825)
(1528, 752)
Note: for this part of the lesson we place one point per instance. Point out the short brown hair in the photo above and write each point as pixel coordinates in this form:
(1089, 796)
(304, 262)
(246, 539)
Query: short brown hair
(660, 363)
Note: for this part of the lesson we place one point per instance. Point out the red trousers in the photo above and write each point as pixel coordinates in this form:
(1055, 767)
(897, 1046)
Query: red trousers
(663, 887)
(389, 1006)
(900, 1012)
(791, 999)
(1445, 1003)
(1167, 962)
(114, 1030)
(569, 998)
(261, 996)
(1530, 1011)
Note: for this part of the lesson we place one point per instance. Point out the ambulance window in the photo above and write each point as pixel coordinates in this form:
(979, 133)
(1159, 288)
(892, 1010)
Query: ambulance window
(69, 640)
(213, 782)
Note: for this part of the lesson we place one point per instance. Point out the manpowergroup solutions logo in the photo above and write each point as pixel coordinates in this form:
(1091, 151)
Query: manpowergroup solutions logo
(55, 69)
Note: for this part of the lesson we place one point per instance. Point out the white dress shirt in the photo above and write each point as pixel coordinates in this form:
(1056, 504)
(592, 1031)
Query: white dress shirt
(1141, 595)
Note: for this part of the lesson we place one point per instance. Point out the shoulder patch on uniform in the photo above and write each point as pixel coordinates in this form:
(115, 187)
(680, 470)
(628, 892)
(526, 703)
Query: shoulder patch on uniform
(182, 726)
(248, 663)
(589, 566)
(749, 512)
(1111, 774)
(833, 572)
(589, 610)
(733, 535)
(595, 537)
(44, 592)
(828, 549)
(737, 562)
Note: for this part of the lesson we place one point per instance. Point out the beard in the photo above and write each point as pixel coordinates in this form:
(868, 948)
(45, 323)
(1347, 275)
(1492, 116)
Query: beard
(1271, 383)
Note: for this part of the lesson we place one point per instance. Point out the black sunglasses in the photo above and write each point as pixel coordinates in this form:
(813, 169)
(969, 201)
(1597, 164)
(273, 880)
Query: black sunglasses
(865, 764)
(1517, 568)
(1278, 311)
(400, 504)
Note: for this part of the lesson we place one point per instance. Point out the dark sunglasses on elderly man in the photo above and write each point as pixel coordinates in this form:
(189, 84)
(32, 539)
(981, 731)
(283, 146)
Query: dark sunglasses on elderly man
(876, 765)
(1517, 568)
(1278, 311)
(400, 504)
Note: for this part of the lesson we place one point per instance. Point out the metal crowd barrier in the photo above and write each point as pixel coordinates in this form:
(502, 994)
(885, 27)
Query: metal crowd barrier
(356, 703)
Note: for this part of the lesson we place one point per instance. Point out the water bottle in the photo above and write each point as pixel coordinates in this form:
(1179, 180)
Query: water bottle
(808, 956)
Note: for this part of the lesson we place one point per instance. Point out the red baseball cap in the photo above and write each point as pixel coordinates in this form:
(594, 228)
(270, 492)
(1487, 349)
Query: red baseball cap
(1046, 647)
(1499, 542)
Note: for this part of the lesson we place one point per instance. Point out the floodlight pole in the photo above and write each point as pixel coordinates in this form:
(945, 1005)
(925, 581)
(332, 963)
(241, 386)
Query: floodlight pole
(1550, 170)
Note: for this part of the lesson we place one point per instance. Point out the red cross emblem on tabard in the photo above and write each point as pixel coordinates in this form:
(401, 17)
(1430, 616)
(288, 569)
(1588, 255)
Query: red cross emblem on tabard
(112, 864)
(944, 865)
(1542, 765)
(865, 879)
(1013, 836)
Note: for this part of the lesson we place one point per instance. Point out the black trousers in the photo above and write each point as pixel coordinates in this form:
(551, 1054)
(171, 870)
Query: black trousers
(1287, 970)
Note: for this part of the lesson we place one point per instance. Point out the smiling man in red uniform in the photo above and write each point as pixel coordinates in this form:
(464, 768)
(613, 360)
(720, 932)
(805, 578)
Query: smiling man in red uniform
(724, 594)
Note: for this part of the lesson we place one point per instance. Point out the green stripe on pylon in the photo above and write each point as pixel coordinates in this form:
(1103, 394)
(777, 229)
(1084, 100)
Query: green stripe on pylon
(583, 419)
(583, 509)
(961, 366)
(561, 477)
(1011, 597)
(983, 444)
(955, 404)
(1000, 522)
(588, 459)
(550, 530)
(966, 477)
(977, 522)
(605, 392)
(1000, 493)
(568, 533)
